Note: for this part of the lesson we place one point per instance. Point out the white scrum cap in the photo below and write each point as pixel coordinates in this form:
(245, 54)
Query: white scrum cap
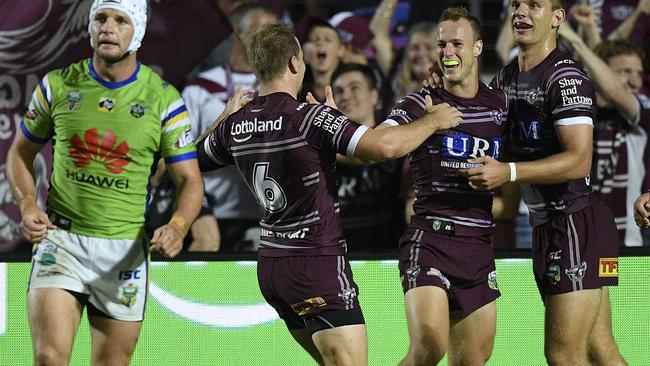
(135, 9)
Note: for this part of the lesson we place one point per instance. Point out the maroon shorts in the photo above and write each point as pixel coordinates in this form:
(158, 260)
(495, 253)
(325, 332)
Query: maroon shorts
(462, 266)
(300, 288)
(576, 252)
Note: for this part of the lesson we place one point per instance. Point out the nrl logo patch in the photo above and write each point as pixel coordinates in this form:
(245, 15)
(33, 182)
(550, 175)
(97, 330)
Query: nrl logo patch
(129, 293)
(576, 272)
(436, 224)
(73, 101)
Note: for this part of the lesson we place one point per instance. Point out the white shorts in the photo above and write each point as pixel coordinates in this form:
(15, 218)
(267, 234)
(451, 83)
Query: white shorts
(112, 272)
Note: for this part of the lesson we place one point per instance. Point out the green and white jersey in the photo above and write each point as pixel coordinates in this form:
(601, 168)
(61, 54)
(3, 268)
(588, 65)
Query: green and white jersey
(107, 138)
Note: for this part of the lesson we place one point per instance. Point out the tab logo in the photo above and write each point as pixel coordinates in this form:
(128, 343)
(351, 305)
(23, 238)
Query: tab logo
(608, 267)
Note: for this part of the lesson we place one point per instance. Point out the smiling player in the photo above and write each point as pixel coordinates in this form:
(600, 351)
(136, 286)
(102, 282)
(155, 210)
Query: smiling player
(449, 294)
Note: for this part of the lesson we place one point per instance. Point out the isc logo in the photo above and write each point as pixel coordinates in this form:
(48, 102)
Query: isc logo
(129, 275)
(467, 146)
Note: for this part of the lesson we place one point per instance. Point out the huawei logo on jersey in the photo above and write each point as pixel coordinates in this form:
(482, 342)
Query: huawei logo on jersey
(114, 158)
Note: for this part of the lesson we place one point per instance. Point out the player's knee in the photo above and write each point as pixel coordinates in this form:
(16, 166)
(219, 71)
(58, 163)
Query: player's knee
(336, 356)
(427, 353)
(46, 355)
(560, 356)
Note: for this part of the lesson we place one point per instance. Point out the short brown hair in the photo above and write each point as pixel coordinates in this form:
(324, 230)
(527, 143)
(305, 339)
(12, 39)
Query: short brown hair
(608, 49)
(457, 13)
(270, 50)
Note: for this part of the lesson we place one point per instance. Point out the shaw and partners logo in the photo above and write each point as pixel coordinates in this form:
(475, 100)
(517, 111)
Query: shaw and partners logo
(255, 126)
(101, 150)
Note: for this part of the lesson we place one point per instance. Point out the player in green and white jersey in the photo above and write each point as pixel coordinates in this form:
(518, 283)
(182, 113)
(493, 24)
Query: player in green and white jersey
(110, 119)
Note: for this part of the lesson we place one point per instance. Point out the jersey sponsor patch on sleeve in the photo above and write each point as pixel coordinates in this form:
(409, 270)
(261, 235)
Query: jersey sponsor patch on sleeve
(184, 139)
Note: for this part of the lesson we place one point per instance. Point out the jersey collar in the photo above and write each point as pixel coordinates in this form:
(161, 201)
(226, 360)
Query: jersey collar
(111, 85)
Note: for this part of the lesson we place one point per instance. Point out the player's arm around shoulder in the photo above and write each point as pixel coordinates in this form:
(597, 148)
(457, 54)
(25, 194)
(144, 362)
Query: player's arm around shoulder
(390, 140)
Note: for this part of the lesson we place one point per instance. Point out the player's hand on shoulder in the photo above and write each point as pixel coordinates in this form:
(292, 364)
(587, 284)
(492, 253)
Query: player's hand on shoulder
(35, 224)
(168, 240)
(443, 114)
(642, 210)
(435, 79)
(241, 97)
(489, 175)
(329, 98)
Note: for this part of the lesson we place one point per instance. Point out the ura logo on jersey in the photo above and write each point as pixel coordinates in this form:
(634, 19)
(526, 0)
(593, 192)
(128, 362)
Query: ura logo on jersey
(106, 105)
(73, 101)
(114, 158)
(468, 146)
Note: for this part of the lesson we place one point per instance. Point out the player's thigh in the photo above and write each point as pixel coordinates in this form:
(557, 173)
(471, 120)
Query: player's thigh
(473, 336)
(113, 341)
(570, 318)
(602, 345)
(54, 316)
(344, 345)
(304, 338)
(427, 314)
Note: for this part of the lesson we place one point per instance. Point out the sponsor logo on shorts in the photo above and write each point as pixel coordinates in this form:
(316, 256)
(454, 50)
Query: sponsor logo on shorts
(348, 294)
(412, 272)
(608, 267)
(555, 256)
(435, 272)
(577, 272)
(106, 105)
(129, 294)
(492, 280)
(553, 274)
(308, 306)
(48, 257)
(73, 101)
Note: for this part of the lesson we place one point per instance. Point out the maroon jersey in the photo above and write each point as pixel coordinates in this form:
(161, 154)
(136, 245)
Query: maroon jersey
(286, 153)
(611, 162)
(557, 92)
(441, 194)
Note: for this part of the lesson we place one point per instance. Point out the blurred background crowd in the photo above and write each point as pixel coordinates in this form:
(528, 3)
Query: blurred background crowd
(372, 53)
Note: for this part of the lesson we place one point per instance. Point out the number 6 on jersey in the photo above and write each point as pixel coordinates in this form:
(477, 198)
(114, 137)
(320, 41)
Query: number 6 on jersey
(267, 190)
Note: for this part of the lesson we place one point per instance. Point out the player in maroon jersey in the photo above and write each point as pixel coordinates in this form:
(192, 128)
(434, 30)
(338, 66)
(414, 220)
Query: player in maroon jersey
(575, 243)
(286, 151)
(446, 260)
